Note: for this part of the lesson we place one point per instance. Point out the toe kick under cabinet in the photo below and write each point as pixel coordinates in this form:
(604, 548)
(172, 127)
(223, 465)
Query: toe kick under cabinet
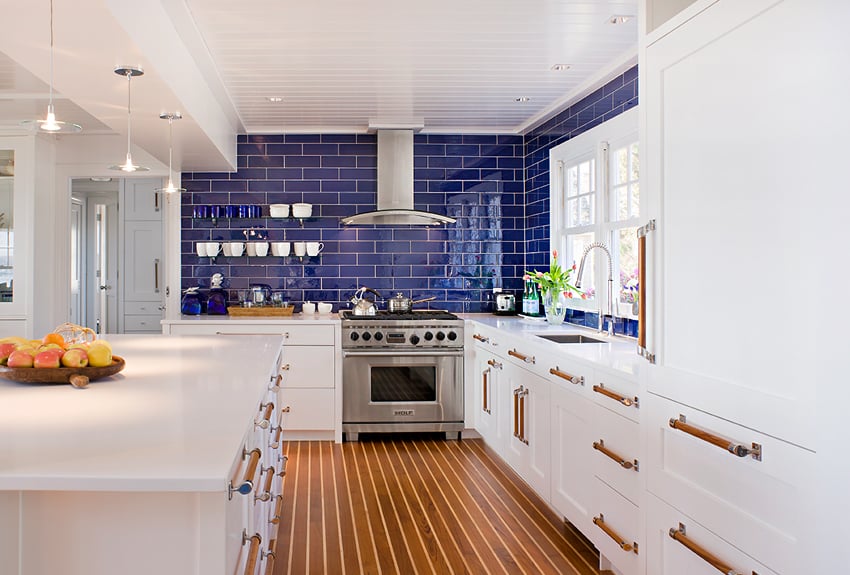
(309, 378)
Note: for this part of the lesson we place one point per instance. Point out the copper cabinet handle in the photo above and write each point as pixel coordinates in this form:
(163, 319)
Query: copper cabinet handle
(275, 386)
(680, 536)
(278, 511)
(275, 443)
(285, 367)
(624, 545)
(628, 402)
(247, 484)
(494, 363)
(253, 552)
(485, 390)
(726, 444)
(519, 413)
(266, 494)
(285, 460)
(265, 422)
(480, 338)
(522, 356)
(576, 379)
(600, 446)
(641, 234)
(285, 409)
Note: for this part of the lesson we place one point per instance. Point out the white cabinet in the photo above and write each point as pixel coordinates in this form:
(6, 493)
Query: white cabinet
(487, 382)
(142, 272)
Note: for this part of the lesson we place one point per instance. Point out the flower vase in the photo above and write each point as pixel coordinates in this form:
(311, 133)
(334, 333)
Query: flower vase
(555, 306)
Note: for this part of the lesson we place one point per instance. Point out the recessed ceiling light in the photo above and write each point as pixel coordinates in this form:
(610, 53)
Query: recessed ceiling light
(620, 18)
(560, 67)
(274, 99)
(523, 99)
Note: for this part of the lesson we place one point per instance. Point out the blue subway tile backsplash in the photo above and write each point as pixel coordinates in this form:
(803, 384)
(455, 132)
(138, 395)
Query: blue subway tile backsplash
(496, 185)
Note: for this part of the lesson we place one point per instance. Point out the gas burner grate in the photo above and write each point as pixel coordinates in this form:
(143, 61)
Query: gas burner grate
(384, 315)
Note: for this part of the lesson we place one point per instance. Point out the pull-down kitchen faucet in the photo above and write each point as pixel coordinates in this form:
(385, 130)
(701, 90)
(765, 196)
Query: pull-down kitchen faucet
(601, 322)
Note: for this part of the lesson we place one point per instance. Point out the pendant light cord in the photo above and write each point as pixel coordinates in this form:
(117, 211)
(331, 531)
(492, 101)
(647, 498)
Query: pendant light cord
(129, 125)
(51, 53)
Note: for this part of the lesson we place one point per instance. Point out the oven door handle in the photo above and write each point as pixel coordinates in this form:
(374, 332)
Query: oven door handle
(402, 352)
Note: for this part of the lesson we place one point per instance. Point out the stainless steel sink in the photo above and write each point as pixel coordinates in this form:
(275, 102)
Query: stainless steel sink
(570, 338)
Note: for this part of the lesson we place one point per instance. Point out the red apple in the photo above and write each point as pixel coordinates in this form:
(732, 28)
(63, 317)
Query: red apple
(6, 350)
(47, 359)
(75, 357)
(20, 358)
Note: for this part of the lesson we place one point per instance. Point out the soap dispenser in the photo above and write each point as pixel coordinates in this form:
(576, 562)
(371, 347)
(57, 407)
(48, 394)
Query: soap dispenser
(217, 302)
(191, 303)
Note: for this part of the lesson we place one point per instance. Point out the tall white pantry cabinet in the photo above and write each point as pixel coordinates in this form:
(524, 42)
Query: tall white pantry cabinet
(744, 135)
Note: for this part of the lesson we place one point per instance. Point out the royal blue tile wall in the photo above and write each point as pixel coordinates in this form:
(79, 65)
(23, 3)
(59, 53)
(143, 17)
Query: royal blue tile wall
(478, 179)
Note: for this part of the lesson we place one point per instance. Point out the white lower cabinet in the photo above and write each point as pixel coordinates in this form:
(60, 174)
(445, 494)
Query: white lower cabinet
(572, 465)
(679, 545)
(487, 381)
(617, 530)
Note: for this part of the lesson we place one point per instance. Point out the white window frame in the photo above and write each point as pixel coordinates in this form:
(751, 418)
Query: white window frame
(610, 135)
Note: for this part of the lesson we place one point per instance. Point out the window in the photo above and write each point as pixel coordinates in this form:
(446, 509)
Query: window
(595, 197)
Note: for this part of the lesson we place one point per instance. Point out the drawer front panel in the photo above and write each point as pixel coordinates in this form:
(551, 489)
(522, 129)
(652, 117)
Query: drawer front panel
(762, 507)
(142, 323)
(309, 334)
(667, 556)
(305, 366)
(619, 540)
(143, 308)
(310, 409)
(616, 455)
(228, 329)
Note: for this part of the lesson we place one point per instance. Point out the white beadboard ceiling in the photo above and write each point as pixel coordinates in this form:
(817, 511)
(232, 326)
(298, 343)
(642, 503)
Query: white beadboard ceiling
(452, 66)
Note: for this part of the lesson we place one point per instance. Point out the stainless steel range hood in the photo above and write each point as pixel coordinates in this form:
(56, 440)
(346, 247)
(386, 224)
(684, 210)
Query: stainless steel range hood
(395, 186)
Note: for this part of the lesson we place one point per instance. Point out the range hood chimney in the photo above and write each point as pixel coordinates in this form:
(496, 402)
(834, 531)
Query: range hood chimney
(395, 185)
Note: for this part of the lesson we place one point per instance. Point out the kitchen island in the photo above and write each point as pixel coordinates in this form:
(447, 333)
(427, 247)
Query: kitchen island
(131, 474)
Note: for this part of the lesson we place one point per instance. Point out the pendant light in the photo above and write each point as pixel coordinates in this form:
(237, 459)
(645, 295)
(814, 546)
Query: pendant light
(128, 166)
(50, 123)
(170, 188)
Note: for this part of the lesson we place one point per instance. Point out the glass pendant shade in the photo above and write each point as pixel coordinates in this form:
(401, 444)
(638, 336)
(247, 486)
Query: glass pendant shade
(50, 123)
(128, 165)
(170, 188)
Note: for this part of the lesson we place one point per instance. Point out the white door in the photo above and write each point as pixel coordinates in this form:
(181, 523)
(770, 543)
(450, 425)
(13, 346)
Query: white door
(77, 261)
(103, 250)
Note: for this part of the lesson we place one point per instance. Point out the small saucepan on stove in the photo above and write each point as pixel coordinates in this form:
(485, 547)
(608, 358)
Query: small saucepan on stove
(400, 303)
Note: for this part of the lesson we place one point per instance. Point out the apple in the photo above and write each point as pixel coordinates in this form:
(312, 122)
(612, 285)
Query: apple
(75, 358)
(20, 358)
(47, 359)
(46, 346)
(6, 350)
(99, 355)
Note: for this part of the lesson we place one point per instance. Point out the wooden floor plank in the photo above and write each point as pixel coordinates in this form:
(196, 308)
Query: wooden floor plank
(409, 505)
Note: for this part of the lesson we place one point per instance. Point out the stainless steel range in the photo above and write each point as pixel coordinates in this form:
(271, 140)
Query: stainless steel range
(402, 372)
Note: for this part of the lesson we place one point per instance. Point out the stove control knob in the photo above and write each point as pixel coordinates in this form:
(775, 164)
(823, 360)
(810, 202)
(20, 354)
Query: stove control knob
(378, 336)
(452, 336)
(441, 336)
(414, 339)
(354, 336)
(367, 336)
(429, 336)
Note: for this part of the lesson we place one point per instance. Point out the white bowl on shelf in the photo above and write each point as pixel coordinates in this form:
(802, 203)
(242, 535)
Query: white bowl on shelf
(302, 210)
(279, 210)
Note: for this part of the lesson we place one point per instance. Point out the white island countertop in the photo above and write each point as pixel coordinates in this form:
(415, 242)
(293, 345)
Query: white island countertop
(172, 420)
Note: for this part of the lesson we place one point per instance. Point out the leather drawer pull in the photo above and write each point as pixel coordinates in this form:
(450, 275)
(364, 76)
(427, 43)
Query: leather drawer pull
(679, 535)
(628, 402)
(624, 545)
(732, 447)
(494, 363)
(253, 552)
(600, 446)
(522, 356)
(576, 379)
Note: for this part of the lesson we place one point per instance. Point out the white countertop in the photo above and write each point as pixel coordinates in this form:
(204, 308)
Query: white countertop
(172, 420)
(298, 318)
(617, 353)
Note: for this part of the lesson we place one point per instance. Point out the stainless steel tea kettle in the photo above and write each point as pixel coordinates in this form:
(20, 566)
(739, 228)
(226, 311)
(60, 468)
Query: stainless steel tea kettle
(363, 306)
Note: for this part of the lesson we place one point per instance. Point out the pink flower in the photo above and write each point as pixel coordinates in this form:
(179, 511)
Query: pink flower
(584, 296)
(539, 274)
(526, 277)
(569, 294)
(555, 254)
(574, 266)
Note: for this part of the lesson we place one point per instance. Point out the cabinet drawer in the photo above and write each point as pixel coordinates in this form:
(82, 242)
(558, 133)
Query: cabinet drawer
(309, 409)
(228, 328)
(143, 323)
(143, 308)
(309, 334)
(616, 445)
(617, 393)
(760, 506)
(668, 556)
(308, 366)
(565, 373)
(616, 529)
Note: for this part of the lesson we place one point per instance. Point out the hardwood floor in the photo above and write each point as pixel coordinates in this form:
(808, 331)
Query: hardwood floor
(417, 506)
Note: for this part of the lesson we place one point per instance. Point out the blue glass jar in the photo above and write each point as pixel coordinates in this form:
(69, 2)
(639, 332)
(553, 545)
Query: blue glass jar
(191, 302)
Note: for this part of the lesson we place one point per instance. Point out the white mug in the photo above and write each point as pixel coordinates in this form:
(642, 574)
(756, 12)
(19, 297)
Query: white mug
(300, 248)
(225, 249)
(313, 248)
(280, 249)
(308, 307)
(212, 249)
(302, 210)
(251, 248)
(262, 249)
(201, 249)
(236, 248)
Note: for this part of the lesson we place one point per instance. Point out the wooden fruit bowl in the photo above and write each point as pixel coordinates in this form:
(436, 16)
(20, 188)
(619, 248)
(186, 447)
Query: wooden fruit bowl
(76, 376)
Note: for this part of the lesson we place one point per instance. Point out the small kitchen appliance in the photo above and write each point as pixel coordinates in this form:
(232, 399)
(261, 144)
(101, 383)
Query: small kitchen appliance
(505, 303)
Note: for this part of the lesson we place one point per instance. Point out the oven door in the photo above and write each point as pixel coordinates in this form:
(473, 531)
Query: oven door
(402, 387)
